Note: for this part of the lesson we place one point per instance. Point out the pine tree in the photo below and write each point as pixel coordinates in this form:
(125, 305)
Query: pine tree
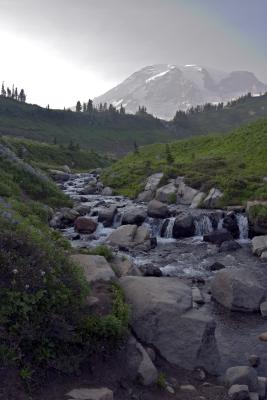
(90, 107)
(8, 91)
(16, 93)
(22, 96)
(3, 90)
(55, 141)
(122, 110)
(13, 92)
(84, 107)
(78, 106)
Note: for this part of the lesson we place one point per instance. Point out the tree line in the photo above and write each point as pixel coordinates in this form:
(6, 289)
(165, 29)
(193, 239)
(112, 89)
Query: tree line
(90, 108)
(13, 93)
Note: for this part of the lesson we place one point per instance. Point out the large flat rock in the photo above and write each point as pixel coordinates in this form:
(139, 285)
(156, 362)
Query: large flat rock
(162, 316)
(95, 268)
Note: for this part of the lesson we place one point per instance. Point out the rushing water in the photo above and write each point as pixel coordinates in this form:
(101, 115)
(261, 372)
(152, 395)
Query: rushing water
(188, 258)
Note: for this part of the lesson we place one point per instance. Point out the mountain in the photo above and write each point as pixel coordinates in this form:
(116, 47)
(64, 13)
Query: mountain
(164, 88)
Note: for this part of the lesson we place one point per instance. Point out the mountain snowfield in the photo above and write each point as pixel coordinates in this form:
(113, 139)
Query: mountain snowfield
(164, 88)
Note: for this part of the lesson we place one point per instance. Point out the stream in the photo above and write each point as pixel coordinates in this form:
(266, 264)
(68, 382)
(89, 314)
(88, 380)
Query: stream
(189, 259)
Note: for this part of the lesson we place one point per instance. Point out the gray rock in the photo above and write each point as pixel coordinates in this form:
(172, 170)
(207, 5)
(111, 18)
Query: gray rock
(162, 316)
(63, 218)
(82, 209)
(242, 375)
(146, 196)
(262, 386)
(188, 389)
(264, 255)
(197, 200)
(229, 245)
(91, 394)
(263, 309)
(213, 198)
(59, 176)
(95, 268)
(253, 396)
(217, 266)
(259, 245)
(153, 181)
(134, 216)
(237, 289)
(156, 209)
(197, 296)
(124, 267)
(89, 189)
(183, 226)
(167, 193)
(254, 360)
(85, 225)
(140, 364)
(130, 236)
(150, 270)
(186, 194)
(218, 237)
(106, 215)
(238, 392)
(107, 191)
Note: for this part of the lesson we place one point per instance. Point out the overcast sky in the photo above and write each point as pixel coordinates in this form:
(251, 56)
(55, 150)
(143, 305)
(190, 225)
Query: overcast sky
(64, 50)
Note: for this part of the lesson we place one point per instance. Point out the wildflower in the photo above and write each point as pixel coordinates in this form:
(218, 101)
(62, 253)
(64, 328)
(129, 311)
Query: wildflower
(42, 273)
(15, 271)
(27, 286)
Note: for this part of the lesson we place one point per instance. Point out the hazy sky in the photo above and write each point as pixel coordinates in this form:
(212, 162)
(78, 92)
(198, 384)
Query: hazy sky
(64, 50)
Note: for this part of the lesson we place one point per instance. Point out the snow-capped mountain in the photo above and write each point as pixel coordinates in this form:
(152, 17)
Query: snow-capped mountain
(163, 88)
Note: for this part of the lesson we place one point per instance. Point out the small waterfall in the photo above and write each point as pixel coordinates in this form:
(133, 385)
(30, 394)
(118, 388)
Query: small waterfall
(155, 225)
(169, 228)
(203, 225)
(117, 220)
(242, 225)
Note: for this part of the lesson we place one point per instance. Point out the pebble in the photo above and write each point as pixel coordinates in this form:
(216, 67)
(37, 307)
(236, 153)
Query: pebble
(170, 390)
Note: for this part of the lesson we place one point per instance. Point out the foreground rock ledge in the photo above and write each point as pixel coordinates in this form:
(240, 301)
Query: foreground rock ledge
(162, 316)
(91, 394)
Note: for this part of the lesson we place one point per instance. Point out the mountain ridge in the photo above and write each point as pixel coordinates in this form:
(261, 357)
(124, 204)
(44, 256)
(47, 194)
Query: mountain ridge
(165, 88)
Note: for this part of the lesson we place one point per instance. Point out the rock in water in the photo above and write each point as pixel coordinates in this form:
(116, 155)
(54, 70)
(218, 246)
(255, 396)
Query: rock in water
(106, 215)
(85, 225)
(130, 236)
(183, 226)
(134, 216)
(218, 237)
(162, 316)
(237, 289)
(156, 209)
(259, 245)
(91, 394)
(242, 375)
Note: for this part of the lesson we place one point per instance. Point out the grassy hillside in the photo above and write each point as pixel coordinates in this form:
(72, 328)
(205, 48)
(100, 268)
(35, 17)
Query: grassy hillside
(104, 132)
(236, 163)
(49, 156)
(113, 133)
(212, 120)
(45, 324)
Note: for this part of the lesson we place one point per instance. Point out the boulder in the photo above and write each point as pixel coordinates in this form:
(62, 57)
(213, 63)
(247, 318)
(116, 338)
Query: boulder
(162, 316)
(95, 268)
(91, 394)
(139, 363)
(217, 266)
(186, 194)
(106, 215)
(130, 236)
(150, 270)
(242, 375)
(263, 309)
(63, 218)
(183, 226)
(264, 255)
(262, 385)
(85, 225)
(134, 216)
(124, 267)
(231, 225)
(82, 209)
(146, 196)
(167, 193)
(156, 209)
(238, 392)
(107, 191)
(153, 182)
(237, 289)
(197, 200)
(213, 198)
(259, 245)
(89, 189)
(229, 245)
(66, 169)
(218, 237)
(59, 176)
